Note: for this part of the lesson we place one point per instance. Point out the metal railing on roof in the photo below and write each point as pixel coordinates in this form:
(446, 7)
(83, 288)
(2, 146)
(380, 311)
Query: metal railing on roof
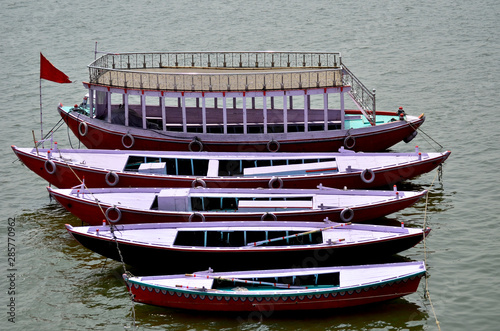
(253, 71)
(204, 71)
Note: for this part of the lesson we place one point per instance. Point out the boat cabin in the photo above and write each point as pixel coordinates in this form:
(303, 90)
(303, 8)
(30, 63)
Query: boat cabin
(226, 92)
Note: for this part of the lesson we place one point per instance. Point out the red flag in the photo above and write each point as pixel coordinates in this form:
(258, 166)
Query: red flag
(49, 72)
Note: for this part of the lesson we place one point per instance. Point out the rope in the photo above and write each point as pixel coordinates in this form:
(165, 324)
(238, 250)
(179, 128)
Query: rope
(52, 130)
(112, 230)
(69, 138)
(427, 293)
(419, 129)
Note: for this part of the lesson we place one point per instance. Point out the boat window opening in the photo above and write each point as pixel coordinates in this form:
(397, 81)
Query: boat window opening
(154, 206)
(210, 203)
(263, 163)
(304, 280)
(276, 128)
(295, 127)
(230, 167)
(236, 167)
(334, 126)
(322, 280)
(189, 238)
(229, 204)
(233, 129)
(270, 198)
(254, 129)
(316, 127)
(247, 164)
(214, 204)
(194, 128)
(152, 159)
(279, 162)
(184, 167)
(315, 108)
(196, 204)
(216, 129)
(133, 163)
(174, 128)
(171, 165)
(240, 238)
(200, 167)
(329, 279)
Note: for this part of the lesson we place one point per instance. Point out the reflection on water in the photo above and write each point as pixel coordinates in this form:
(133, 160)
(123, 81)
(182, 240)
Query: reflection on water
(395, 314)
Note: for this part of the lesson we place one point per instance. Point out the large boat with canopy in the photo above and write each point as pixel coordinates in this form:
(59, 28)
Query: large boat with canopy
(232, 102)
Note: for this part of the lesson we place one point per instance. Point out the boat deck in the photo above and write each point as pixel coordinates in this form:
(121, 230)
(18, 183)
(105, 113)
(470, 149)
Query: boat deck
(249, 201)
(283, 164)
(165, 237)
(349, 276)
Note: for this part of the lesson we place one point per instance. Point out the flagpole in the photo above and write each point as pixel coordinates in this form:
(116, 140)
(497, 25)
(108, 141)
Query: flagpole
(41, 122)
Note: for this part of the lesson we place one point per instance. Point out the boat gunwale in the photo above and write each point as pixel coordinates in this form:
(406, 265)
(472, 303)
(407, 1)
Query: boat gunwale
(415, 232)
(142, 281)
(88, 197)
(204, 155)
(33, 154)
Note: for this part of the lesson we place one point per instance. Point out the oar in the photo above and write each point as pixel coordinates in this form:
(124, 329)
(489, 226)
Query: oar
(236, 280)
(203, 289)
(258, 243)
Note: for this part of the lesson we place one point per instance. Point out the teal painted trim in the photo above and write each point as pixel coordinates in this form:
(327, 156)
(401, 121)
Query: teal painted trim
(289, 293)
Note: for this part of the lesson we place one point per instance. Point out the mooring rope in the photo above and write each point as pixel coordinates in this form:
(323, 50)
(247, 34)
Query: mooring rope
(112, 230)
(427, 293)
(51, 131)
(419, 129)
